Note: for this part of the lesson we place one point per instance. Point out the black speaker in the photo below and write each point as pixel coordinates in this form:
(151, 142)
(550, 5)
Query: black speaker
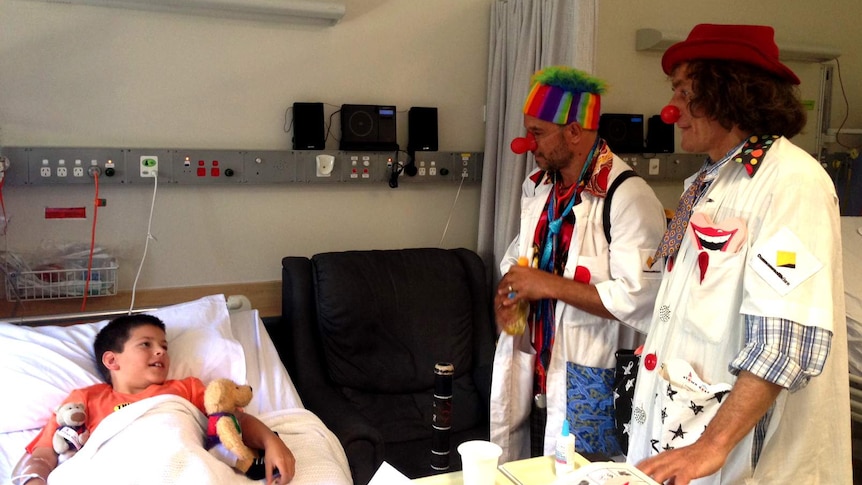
(368, 127)
(659, 136)
(422, 129)
(308, 129)
(623, 132)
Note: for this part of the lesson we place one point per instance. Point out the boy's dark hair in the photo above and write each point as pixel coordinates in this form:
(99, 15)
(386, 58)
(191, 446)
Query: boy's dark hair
(115, 334)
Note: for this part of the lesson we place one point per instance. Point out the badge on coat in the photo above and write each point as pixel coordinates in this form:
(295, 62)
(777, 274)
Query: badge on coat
(784, 262)
(707, 236)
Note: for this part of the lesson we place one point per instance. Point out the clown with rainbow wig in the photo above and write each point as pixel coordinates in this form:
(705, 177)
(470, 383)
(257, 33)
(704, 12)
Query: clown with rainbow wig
(586, 229)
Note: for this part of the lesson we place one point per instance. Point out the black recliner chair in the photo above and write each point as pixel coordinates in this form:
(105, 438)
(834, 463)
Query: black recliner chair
(368, 327)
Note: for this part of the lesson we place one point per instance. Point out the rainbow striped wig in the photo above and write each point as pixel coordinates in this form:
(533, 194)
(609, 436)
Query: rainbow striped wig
(562, 95)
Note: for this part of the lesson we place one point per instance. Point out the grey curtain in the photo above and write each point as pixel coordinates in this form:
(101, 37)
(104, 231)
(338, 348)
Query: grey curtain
(526, 35)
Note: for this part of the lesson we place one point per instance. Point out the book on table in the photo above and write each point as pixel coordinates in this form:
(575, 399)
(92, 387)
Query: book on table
(540, 471)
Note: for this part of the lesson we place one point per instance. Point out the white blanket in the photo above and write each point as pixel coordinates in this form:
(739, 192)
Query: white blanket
(160, 441)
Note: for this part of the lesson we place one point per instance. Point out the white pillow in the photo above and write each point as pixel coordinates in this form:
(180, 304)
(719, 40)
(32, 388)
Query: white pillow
(40, 366)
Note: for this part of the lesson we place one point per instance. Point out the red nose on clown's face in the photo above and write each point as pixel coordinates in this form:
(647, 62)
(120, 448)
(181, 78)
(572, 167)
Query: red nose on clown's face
(524, 144)
(670, 114)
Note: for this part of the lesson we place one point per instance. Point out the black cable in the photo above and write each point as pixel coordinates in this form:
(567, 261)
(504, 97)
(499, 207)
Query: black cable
(410, 167)
(329, 126)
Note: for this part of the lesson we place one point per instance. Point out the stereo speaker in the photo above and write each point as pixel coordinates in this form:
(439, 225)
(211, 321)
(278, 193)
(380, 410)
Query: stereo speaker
(659, 136)
(623, 132)
(422, 129)
(308, 130)
(368, 127)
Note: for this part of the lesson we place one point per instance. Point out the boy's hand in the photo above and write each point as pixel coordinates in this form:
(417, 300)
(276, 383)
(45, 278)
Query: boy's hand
(278, 456)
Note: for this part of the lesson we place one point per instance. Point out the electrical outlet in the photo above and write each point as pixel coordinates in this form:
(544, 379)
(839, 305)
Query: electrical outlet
(149, 166)
(78, 171)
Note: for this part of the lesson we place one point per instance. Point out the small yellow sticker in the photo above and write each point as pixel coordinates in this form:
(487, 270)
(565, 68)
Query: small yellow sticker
(785, 259)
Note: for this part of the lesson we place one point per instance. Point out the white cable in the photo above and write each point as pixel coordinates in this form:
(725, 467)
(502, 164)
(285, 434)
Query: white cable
(147, 242)
(451, 211)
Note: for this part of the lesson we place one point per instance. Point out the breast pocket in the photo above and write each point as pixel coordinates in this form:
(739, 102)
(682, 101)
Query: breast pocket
(589, 270)
(714, 287)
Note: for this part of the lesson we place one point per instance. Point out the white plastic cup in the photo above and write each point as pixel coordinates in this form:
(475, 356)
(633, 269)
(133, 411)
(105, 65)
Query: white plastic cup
(479, 462)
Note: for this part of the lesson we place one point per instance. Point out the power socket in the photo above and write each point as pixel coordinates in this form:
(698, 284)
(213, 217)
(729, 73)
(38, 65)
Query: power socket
(149, 166)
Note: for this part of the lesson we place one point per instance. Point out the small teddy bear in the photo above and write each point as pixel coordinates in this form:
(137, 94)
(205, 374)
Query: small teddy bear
(71, 434)
(222, 399)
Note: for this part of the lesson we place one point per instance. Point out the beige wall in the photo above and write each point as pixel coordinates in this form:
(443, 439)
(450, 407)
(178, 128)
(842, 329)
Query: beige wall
(90, 76)
(93, 76)
(638, 85)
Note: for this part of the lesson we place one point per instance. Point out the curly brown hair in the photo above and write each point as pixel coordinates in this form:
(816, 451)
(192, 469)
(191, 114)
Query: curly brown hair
(735, 93)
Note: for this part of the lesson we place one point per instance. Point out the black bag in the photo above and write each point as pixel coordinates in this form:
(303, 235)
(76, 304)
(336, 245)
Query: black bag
(625, 373)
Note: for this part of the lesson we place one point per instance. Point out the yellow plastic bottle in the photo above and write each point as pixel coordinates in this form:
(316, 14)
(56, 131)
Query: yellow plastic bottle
(519, 324)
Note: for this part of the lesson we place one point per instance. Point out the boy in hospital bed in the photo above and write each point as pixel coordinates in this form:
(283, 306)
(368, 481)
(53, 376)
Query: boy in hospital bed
(132, 355)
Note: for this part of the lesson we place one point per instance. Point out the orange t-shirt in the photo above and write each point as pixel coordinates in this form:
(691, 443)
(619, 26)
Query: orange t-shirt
(101, 400)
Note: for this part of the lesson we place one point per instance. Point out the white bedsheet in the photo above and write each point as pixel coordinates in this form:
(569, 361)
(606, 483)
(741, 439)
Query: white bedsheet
(176, 427)
(273, 389)
(320, 458)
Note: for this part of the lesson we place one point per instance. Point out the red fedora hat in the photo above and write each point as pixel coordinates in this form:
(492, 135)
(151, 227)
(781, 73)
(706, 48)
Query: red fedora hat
(751, 44)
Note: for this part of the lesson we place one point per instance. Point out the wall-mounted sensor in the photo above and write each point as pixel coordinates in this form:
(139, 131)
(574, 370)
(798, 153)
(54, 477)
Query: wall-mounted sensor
(325, 164)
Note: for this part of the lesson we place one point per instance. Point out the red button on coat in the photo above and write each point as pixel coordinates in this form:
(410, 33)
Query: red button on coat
(650, 361)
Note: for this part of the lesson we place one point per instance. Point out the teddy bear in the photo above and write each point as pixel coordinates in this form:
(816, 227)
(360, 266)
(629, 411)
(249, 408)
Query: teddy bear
(71, 433)
(222, 399)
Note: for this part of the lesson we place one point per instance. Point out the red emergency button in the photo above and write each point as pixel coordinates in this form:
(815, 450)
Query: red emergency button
(202, 172)
(214, 171)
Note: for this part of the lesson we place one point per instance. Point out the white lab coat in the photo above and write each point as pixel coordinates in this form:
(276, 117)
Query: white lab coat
(808, 439)
(627, 291)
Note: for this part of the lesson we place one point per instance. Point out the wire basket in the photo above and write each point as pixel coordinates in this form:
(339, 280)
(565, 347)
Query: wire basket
(53, 282)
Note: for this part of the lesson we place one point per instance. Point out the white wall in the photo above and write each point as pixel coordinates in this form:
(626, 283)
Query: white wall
(95, 76)
(638, 85)
(91, 76)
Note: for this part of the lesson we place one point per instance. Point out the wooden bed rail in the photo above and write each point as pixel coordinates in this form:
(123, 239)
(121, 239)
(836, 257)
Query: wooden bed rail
(263, 296)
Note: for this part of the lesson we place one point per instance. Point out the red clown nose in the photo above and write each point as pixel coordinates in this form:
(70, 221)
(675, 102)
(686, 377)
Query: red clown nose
(524, 144)
(670, 114)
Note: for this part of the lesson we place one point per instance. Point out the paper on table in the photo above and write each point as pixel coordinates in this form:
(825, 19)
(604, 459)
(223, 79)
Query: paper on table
(388, 475)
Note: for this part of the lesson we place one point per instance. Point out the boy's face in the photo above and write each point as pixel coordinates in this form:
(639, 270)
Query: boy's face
(143, 362)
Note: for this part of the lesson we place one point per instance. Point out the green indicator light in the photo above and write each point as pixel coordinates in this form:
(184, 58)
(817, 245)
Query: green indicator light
(149, 162)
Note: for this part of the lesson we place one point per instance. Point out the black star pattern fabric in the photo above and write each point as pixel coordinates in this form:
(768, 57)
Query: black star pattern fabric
(677, 433)
(671, 392)
(625, 373)
(720, 395)
(685, 408)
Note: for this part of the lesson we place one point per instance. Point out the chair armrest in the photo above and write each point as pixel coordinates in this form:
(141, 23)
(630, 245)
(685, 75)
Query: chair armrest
(362, 442)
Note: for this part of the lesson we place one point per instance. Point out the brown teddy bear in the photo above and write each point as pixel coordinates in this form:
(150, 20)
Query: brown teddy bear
(222, 399)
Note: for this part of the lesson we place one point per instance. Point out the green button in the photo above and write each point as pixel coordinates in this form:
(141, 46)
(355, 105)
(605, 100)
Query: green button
(149, 162)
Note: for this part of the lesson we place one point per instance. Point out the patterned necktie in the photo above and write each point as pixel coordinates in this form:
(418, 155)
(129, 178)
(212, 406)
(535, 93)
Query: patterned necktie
(675, 230)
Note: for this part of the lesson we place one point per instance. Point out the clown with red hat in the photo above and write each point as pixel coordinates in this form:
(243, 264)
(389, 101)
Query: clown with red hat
(743, 377)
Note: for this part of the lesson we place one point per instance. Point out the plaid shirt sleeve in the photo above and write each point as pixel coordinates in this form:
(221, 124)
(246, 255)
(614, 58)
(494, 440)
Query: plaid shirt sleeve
(782, 352)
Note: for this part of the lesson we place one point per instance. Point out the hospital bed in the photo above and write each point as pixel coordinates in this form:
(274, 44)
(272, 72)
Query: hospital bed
(39, 365)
